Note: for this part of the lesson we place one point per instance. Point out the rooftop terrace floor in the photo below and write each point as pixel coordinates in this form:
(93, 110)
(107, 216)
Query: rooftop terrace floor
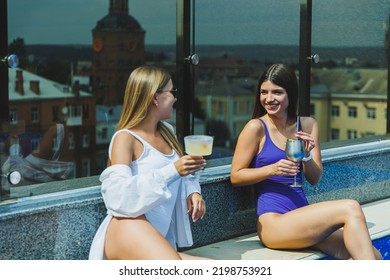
(248, 247)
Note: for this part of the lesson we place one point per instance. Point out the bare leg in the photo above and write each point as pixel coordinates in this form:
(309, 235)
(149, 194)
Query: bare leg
(309, 225)
(334, 246)
(136, 239)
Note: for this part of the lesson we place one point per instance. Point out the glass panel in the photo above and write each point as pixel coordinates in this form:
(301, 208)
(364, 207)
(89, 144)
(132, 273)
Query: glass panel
(236, 41)
(65, 97)
(349, 84)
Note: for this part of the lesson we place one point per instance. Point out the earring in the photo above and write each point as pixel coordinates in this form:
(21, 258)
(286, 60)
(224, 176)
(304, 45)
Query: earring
(156, 104)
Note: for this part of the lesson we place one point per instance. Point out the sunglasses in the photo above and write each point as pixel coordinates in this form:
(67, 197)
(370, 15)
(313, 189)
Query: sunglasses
(172, 91)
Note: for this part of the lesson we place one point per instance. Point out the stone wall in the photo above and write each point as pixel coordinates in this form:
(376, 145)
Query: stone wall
(62, 225)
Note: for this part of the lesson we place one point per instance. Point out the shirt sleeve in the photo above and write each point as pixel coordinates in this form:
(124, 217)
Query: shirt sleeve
(191, 185)
(128, 195)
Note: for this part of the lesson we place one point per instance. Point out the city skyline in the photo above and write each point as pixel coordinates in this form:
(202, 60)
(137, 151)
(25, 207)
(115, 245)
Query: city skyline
(265, 22)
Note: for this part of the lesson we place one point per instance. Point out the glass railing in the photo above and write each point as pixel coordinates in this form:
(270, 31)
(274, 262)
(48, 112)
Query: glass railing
(65, 95)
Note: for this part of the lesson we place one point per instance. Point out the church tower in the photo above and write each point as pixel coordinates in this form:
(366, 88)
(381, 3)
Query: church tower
(118, 48)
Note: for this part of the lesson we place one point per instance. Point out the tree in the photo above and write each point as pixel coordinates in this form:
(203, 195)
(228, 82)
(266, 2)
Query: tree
(55, 70)
(18, 47)
(198, 112)
(219, 130)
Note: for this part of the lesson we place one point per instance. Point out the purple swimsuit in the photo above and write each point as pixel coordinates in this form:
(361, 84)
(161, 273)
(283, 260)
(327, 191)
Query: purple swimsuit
(275, 193)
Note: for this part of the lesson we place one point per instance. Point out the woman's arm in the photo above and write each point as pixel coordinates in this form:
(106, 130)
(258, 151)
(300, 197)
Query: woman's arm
(129, 195)
(195, 202)
(247, 147)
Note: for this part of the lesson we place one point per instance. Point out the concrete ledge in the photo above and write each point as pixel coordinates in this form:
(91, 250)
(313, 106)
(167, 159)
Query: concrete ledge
(248, 247)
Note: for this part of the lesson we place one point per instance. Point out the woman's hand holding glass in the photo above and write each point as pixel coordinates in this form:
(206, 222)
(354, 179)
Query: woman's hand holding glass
(295, 152)
(187, 164)
(198, 145)
(308, 141)
(298, 148)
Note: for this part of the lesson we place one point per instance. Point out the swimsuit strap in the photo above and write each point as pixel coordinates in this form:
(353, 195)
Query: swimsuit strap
(268, 140)
(265, 128)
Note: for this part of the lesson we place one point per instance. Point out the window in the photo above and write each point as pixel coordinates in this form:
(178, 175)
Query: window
(335, 134)
(350, 72)
(235, 41)
(71, 142)
(371, 113)
(233, 50)
(34, 115)
(351, 134)
(35, 145)
(352, 112)
(335, 111)
(13, 115)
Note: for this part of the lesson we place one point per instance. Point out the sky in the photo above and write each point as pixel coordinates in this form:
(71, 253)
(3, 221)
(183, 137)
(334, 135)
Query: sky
(226, 22)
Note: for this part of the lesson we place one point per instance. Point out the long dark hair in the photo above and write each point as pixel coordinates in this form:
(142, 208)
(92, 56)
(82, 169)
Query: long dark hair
(285, 77)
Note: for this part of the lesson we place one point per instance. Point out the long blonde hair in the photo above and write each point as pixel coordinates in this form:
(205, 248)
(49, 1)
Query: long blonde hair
(141, 86)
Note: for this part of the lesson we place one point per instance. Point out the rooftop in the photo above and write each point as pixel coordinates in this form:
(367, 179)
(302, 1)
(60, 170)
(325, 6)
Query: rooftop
(47, 89)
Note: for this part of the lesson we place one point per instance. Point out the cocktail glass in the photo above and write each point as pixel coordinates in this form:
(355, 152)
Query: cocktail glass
(295, 153)
(198, 145)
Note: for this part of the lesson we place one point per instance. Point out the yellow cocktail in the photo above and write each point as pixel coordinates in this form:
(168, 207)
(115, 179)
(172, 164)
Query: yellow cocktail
(198, 145)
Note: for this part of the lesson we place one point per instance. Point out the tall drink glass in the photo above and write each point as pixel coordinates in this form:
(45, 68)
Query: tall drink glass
(295, 153)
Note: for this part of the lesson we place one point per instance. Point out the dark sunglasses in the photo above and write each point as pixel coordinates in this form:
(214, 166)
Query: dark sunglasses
(172, 91)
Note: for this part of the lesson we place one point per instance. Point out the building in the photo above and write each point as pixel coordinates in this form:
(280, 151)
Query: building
(106, 121)
(229, 101)
(36, 106)
(349, 103)
(118, 48)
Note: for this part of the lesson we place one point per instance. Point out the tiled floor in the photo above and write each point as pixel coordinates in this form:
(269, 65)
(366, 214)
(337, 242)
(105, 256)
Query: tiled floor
(249, 247)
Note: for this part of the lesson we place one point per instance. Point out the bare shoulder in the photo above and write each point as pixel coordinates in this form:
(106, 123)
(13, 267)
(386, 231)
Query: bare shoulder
(254, 126)
(248, 145)
(252, 133)
(124, 137)
(124, 147)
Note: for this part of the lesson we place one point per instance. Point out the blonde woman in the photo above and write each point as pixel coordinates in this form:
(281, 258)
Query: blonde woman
(148, 187)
